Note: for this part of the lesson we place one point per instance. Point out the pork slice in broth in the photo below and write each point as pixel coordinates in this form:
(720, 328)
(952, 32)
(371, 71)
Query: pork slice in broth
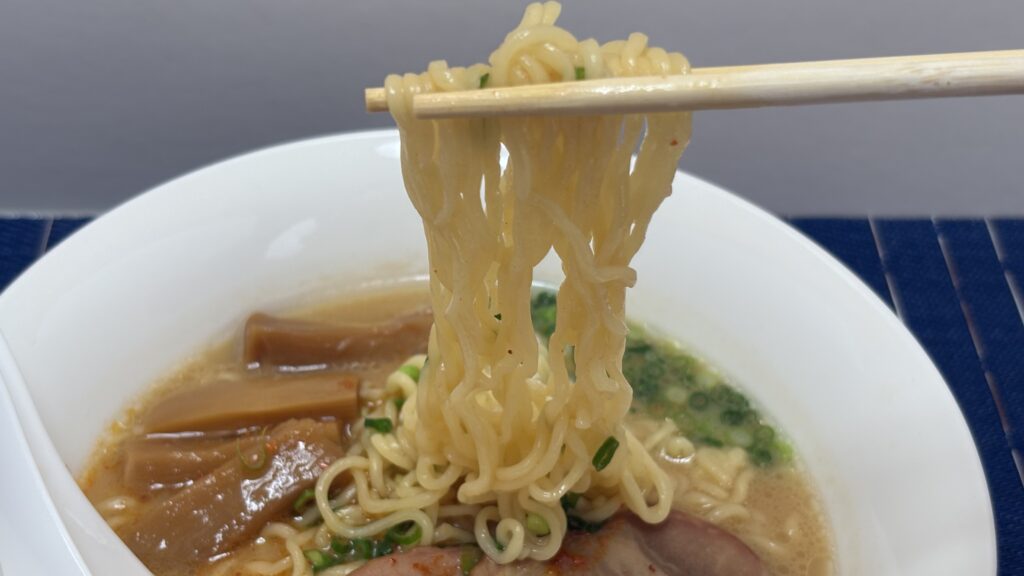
(272, 341)
(679, 546)
(230, 505)
(682, 545)
(422, 561)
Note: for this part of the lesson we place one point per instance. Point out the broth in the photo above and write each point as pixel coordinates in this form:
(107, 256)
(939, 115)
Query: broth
(770, 505)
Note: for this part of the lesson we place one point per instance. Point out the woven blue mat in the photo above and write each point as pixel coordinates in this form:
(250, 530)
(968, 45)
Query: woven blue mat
(957, 284)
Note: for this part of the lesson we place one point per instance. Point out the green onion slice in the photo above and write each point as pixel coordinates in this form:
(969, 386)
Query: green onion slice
(341, 547)
(319, 560)
(764, 433)
(382, 425)
(581, 72)
(303, 500)
(761, 456)
(382, 548)
(605, 453)
(698, 400)
(484, 79)
(405, 534)
(411, 371)
(469, 558)
(578, 524)
(570, 500)
(362, 548)
(732, 417)
(537, 525)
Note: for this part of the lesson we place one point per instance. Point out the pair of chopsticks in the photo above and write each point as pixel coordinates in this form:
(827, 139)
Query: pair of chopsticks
(791, 84)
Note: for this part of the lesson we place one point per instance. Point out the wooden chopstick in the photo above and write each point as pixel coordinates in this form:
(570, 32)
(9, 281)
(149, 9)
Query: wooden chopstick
(790, 84)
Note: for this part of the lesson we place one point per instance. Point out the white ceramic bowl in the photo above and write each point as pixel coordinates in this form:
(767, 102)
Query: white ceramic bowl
(133, 294)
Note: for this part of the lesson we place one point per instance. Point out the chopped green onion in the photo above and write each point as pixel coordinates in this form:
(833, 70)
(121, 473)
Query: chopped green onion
(399, 402)
(382, 425)
(729, 398)
(305, 498)
(750, 418)
(484, 79)
(740, 436)
(732, 417)
(605, 453)
(469, 558)
(577, 523)
(543, 313)
(411, 371)
(341, 547)
(405, 534)
(382, 548)
(581, 72)
(570, 500)
(710, 441)
(764, 433)
(761, 456)
(698, 401)
(537, 525)
(362, 548)
(319, 560)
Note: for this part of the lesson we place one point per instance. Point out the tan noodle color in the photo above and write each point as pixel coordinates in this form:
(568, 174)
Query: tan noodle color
(487, 421)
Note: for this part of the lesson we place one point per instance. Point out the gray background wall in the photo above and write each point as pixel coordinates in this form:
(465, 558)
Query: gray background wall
(102, 99)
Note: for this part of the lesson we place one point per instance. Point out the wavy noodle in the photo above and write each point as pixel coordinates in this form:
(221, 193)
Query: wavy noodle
(494, 420)
(264, 568)
(715, 484)
(666, 429)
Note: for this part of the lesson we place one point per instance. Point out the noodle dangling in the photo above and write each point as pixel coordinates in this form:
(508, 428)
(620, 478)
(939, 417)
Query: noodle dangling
(497, 431)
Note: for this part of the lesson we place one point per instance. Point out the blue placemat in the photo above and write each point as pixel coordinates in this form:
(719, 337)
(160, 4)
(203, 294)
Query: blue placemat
(957, 284)
(949, 285)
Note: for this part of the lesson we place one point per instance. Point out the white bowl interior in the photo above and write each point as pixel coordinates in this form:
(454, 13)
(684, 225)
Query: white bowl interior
(134, 294)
